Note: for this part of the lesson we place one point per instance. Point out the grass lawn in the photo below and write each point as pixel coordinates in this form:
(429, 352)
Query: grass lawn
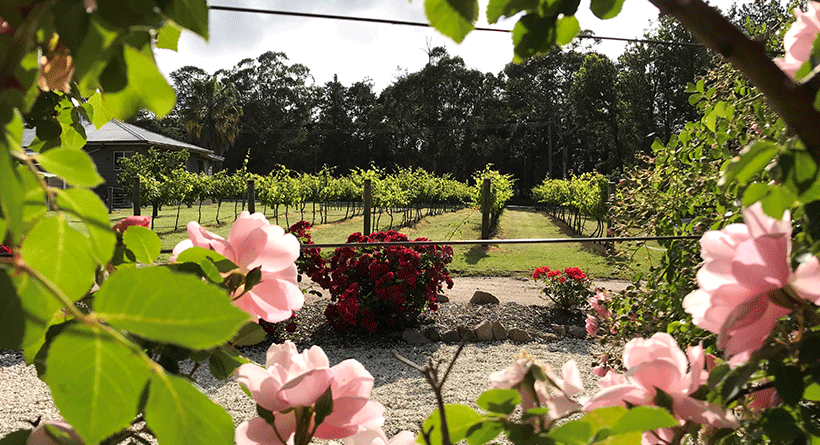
(492, 260)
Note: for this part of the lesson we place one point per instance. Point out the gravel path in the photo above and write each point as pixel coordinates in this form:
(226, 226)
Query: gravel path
(403, 392)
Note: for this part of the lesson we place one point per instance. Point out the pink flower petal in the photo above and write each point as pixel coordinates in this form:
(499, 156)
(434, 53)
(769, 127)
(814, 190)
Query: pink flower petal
(246, 223)
(261, 384)
(258, 432)
(703, 412)
(305, 389)
(351, 379)
(806, 280)
(269, 247)
(348, 414)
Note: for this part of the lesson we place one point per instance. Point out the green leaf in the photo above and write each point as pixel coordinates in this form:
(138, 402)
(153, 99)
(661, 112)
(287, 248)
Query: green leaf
(179, 413)
(11, 194)
(168, 36)
(453, 18)
(576, 432)
(459, 419)
(735, 380)
(533, 35)
(160, 305)
(810, 349)
(501, 401)
(788, 380)
(812, 392)
(777, 200)
(534, 412)
(663, 399)
(250, 334)
(75, 166)
(35, 198)
(223, 362)
(566, 28)
(191, 14)
(86, 205)
(717, 374)
(483, 432)
(253, 277)
(143, 243)
(324, 406)
(751, 162)
(644, 418)
(101, 115)
(62, 254)
(19, 437)
(11, 315)
(604, 417)
(128, 14)
(41, 309)
(95, 381)
(146, 87)
(780, 426)
(508, 8)
(606, 9)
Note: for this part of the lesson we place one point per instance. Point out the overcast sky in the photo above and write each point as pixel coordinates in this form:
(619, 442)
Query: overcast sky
(356, 50)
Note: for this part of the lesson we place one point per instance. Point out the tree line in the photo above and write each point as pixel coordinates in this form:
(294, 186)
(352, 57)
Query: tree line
(571, 111)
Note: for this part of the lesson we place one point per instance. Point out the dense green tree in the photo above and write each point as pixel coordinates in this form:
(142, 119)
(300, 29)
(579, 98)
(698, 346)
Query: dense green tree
(595, 108)
(278, 100)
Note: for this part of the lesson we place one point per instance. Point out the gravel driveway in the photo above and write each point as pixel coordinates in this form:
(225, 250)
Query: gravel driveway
(404, 393)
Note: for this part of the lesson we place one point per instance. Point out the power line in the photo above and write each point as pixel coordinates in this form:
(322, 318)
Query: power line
(426, 25)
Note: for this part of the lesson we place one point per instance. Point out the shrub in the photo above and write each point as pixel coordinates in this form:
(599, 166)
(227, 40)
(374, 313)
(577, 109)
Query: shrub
(568, 289)
(382, 288)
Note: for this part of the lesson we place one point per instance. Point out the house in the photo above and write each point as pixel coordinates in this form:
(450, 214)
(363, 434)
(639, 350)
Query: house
(117, 139)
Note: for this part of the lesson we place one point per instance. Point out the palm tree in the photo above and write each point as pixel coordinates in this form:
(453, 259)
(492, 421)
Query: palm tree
(210, 113)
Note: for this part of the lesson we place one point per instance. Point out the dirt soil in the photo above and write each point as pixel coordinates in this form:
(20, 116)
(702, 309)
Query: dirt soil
(523, 291)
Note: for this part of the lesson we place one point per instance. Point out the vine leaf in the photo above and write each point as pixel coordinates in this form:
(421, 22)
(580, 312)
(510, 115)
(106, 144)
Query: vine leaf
(606, 9)
(95, 381)
(143, 243)
(73, 165)
(62, 254)
(453, 18)
(87, 205)
(160, 305)
(179, 413)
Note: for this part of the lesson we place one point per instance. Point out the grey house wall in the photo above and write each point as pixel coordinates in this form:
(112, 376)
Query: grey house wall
(104, 157)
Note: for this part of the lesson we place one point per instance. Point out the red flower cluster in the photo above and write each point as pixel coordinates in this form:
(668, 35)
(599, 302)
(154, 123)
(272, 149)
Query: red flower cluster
(568, 288)
(5, 250)
(384, 287)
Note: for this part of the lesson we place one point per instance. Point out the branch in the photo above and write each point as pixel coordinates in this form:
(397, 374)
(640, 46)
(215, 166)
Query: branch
(793, 102)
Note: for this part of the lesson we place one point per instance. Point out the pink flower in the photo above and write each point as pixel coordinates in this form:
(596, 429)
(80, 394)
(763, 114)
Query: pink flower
(553, 393)
(39, 436)
(591, 325)
(799, 39)
(292, 380)
(254, 242)
(658, 363)
(763, 399)
(598, 301)
(128, 221)
(746, 264)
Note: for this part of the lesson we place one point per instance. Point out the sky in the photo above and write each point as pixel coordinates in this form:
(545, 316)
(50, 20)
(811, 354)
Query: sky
(356, 50)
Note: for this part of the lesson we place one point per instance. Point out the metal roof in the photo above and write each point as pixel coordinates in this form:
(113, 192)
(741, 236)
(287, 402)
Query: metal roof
(120, 133)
